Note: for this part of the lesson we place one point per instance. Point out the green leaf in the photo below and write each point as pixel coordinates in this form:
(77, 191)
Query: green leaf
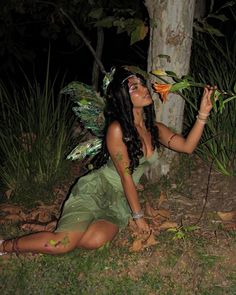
(213, 31)
(179, 86)
(235, 87)
(171, 74)
(191, 228)
(221, 105)
(188, 78)
(220, 17)
(97, 13)
(139, 33)
(121, 23)
(106, 22)
(197, 27)
(227, 4)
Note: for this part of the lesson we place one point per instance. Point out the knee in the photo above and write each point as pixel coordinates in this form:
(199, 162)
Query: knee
(96, 242)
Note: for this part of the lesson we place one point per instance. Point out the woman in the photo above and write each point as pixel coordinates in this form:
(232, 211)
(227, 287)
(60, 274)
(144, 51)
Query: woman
(103, 201)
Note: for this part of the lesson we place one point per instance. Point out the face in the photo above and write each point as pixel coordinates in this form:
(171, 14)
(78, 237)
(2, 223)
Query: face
(139, 93)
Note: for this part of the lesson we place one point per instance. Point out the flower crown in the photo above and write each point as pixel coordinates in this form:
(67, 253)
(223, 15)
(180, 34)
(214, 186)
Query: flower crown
(108, 78)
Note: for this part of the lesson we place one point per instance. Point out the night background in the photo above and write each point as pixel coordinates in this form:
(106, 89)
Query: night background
(28, 28)
(191, 210)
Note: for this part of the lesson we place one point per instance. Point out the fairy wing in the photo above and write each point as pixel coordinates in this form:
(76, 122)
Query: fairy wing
(85, 149)
(89, 108)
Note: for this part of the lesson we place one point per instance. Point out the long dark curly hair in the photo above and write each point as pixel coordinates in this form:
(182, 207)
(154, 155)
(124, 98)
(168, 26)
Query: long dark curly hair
(119, 107)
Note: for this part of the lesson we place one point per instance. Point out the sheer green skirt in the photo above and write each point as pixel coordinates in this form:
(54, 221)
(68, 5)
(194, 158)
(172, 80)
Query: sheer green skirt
(93, 198)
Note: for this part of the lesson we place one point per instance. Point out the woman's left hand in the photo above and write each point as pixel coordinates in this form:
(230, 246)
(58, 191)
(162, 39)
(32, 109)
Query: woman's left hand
(143, 226)
(206, 104)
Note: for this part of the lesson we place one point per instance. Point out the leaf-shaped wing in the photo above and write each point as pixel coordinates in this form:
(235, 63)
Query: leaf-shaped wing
(87, 148)
(89, 106)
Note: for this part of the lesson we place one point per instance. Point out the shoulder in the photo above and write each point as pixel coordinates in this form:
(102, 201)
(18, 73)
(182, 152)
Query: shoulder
(114, 136)
(114, 141)
(114, 130)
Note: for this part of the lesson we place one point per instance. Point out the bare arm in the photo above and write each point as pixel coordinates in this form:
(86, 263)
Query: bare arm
(119, 155)
(187, 145)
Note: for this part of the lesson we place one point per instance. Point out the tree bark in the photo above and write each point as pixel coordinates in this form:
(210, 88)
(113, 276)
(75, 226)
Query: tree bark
(171, 24)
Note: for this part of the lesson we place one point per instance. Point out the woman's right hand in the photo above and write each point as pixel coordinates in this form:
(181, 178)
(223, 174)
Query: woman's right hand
(142, 225)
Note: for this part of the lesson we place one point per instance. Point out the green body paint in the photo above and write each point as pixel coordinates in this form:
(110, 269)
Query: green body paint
(119, 157)
(64, 242)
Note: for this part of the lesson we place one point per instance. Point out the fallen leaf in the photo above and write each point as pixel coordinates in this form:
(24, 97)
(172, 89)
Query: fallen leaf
(168, 224)
(150, 241)
(161, 200)
(227, 216)
(149, 210)
(136, 246)
(163, 213)
(15, 218)
(39, 227)
(132, 225)
(12, 209)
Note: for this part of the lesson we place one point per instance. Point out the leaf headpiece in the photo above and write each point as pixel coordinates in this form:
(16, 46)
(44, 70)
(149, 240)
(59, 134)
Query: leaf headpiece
(107, 79)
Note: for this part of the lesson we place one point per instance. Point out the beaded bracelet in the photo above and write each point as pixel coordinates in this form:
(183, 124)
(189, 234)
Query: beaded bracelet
(202, 117)
(201, 120)
(203, 114)
(137, 215)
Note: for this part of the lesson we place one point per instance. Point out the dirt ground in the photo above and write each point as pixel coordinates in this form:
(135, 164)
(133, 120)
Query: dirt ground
(205, 194)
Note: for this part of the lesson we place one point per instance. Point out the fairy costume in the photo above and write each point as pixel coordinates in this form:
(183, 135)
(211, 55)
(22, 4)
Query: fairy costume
(100, 195)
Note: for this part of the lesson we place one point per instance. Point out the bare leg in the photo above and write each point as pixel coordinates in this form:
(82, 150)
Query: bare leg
(43, 242)
(97, 234)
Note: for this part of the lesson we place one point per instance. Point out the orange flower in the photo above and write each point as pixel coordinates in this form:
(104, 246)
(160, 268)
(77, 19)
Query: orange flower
(162, 89)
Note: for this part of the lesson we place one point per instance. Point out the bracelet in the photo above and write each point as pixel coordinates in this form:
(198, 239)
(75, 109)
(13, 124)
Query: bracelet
(201, 120)
(169, 141)
(137, 215)
(203, 114)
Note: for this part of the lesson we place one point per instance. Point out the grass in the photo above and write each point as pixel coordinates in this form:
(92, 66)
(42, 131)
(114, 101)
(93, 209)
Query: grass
(196, 265)
(36, 124)
(215, 67)
(201, 262)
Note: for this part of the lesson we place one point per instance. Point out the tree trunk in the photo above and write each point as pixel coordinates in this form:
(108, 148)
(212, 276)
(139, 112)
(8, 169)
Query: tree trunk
(171, 23)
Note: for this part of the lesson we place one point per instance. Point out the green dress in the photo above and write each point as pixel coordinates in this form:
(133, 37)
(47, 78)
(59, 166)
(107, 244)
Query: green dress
(99, 195)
